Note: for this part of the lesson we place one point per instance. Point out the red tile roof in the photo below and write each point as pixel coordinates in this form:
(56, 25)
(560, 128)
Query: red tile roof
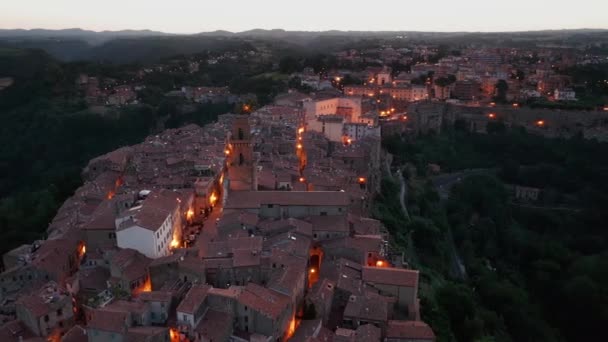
(263, 300)
(75, 334)
(112, 321)
(255, 199)
(245, 258)
(215, 326)
(390, 276)
(415, 330)
(154, 210)
(368, 307)
(194, 299)
(367, 333)
(156, 296)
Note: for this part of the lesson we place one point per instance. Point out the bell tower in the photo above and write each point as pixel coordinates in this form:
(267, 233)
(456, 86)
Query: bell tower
(241, 164)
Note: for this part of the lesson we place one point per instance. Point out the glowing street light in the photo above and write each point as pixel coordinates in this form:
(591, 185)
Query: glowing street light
(379, 263)
(492, 115)
(540, 123)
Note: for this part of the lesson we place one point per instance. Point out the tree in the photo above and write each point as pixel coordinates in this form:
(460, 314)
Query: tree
(288, 65)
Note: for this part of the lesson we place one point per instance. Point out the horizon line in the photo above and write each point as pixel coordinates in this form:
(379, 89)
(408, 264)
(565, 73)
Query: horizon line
(289, 30)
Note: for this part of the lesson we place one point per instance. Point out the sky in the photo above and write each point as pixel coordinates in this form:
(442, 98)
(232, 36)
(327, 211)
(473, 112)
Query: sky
(192, 16)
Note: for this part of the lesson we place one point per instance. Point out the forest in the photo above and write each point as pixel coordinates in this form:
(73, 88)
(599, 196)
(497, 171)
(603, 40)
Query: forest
(48, 134)
(535, 270)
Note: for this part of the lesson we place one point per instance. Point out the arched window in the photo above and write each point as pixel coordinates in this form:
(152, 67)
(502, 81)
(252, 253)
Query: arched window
(241, 134)
(241, 159)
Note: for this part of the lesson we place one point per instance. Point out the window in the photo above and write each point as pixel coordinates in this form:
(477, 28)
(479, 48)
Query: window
(324, 213)
(46, 318)
(270, 206)
(246, 319)
(59, 312)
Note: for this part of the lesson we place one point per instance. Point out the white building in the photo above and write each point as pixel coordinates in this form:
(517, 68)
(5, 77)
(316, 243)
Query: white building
(384, 78)
(419, 92)
(348, 107)
(331, 126)
(565, 95)
(357, 131)
(152, 226)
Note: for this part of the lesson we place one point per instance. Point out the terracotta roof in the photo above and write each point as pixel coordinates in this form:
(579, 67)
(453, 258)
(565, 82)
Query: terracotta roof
(415, 330)
(336, 223)
(132, 264)
(368, 307)
(232, 292)
(156, 296)
(144, 334)
(103, 218)
(254, 199)
(263, 300)
(245, 258)
(215, 326)
(367, 333)
(75, 334)
(128, 307)
(194, 299)
(112, 321)
(11, 330)
(390, 276)
(154, 210)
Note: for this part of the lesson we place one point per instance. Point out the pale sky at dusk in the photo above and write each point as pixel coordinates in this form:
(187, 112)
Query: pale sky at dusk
(191, 16)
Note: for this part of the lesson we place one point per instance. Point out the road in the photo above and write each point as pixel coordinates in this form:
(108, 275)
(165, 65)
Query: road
(403, 194)
(443, 184)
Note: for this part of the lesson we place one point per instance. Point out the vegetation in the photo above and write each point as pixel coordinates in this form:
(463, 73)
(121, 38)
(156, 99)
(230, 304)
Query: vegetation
(48, 135)
(534, 271)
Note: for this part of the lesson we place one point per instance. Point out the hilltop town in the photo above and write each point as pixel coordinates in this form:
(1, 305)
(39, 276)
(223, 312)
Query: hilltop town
(253, 228)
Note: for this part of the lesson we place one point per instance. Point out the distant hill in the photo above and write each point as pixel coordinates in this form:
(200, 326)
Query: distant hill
(78, 33)
(145, 45)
